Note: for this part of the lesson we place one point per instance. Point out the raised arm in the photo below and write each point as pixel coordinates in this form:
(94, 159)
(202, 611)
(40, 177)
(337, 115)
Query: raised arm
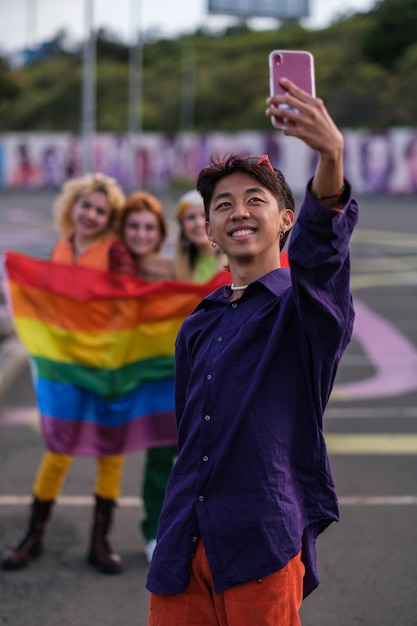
(313, 125)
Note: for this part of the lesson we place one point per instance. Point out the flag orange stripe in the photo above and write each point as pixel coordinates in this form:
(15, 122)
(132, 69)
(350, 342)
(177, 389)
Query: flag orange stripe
(110, 314)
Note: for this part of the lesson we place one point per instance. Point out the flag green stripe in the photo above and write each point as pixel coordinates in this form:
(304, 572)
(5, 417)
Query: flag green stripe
(107, 383)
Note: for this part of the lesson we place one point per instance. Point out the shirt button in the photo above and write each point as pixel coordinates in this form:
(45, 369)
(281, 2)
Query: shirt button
(194, 539)
(219, 339)
(208, 376)
(205, 458)
(207, 418)
(201, 498)
(259, 581)
(234, 305)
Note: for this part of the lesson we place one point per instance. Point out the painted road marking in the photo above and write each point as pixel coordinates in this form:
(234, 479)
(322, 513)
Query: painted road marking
(394, 271)
(20, 416)
(396, 279)
(384, 237)
(125, 501)
(371, 444)
(374, 412)
(384, 264)
(136, 502)
(392, 355)
(378, 500)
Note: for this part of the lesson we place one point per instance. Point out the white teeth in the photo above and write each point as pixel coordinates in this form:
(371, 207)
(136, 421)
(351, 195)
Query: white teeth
(240, 233)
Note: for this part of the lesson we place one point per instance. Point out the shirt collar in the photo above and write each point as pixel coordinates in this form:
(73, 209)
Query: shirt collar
(276, 282)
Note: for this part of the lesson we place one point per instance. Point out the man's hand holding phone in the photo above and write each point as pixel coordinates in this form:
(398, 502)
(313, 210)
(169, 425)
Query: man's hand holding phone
(296, 66)
(312, 123)
(290, 100)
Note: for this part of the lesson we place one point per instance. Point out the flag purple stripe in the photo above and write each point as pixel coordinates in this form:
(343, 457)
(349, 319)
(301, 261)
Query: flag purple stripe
(91, 439)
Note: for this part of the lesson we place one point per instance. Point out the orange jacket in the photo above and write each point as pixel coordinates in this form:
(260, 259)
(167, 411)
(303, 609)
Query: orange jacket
(96, 256)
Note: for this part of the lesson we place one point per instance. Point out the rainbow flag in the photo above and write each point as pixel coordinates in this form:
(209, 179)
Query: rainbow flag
(101, 346)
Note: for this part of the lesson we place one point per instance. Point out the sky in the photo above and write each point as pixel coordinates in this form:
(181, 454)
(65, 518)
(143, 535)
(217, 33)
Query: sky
(26, 23)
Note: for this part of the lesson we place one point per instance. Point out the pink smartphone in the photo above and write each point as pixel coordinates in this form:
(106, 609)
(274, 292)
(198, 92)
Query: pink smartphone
(297, 66)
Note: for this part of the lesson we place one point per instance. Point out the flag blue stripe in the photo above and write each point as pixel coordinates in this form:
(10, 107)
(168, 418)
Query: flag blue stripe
(68, 402)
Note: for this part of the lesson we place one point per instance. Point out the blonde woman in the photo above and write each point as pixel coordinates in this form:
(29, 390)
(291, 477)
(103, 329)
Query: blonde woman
(86, 213)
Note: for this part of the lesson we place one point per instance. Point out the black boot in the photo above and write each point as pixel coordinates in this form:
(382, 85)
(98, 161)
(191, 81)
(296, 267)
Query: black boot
(100, 553)
(29, 545)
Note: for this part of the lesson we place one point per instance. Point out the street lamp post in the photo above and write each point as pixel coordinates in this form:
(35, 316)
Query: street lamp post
(88, 103)
(135, 90)
(31, 23)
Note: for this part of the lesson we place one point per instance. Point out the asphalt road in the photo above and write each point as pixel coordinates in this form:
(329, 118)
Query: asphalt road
(366, 561)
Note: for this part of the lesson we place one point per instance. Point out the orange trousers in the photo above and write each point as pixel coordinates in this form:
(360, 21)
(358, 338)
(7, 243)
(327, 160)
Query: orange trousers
(271, 601)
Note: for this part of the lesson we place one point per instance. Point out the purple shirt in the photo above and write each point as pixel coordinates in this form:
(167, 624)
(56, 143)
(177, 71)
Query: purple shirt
(253, 378)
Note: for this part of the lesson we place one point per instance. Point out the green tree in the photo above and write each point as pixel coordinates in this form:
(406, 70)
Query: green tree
(370, 85)
(9, 89)
(49, 97)
(393, 30)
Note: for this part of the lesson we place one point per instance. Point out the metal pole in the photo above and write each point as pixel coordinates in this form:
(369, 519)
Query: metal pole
(31, 23)
(135, 90)
(88, 105)
(188, 72)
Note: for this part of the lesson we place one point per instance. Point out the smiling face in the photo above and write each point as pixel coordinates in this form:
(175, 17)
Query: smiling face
(246, 222)
(91, 216)
(193, 222)
(141, 233)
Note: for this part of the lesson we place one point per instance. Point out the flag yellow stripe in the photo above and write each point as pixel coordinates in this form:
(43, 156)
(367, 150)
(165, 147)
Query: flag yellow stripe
(102, 349)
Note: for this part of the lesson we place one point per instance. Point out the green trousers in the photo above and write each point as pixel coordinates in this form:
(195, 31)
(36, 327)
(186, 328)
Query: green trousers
(158, 466)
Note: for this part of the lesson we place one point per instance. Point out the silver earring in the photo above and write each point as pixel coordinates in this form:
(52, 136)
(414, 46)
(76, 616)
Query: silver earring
(282, 234)
(214, 244)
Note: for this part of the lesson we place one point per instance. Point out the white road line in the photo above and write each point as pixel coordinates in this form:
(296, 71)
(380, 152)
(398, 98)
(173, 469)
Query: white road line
(136, 502)
(371, 444)
(384, 237)
(371, 412)
(378, 500)
(396, 279)
(29, 415)
(125, 501)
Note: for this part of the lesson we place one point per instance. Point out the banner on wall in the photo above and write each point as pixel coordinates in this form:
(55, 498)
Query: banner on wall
(375, 162)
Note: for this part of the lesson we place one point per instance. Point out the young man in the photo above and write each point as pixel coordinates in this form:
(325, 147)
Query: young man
(255, 364)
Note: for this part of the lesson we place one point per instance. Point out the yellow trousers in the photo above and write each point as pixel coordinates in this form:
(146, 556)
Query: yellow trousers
(54, 468)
